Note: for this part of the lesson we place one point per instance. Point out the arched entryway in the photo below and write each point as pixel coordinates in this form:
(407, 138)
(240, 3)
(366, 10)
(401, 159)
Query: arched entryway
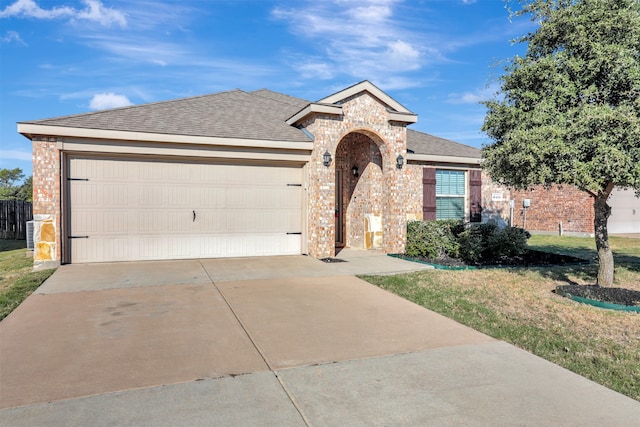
(360, 190)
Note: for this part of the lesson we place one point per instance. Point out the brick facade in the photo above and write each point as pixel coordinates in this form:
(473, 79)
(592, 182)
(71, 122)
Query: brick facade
(46, 201)
(361, 136)
(549, 208)
(496, 201)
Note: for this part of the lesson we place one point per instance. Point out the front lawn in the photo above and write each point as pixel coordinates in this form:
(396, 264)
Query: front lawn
(519, 306)
(17, 280)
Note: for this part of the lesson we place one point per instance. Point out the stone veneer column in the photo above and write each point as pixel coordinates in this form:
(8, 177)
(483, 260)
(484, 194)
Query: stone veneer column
(46, 202)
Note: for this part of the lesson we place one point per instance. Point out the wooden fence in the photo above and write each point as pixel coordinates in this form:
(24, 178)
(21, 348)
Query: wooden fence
(14, 215)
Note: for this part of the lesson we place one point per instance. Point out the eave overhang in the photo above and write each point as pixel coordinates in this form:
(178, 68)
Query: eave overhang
(316, 108)
(403, 117)
(32, 129)
(443, 159)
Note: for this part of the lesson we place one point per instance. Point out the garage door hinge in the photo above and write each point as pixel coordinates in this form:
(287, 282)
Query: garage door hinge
(77, 179)
(77, 237)
(295, 233)
(294, 185)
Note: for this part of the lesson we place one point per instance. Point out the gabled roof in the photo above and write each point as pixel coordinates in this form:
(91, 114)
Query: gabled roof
(365, 86)
(235, 114)
(332, 104)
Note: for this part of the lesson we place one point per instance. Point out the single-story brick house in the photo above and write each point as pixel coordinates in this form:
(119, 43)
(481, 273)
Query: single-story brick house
(242, 174)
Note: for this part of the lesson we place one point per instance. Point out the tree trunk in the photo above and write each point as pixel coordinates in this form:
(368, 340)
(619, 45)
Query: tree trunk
(602, 212)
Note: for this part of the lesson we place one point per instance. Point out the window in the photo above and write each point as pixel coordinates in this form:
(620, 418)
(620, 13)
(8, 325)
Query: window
(450, 194)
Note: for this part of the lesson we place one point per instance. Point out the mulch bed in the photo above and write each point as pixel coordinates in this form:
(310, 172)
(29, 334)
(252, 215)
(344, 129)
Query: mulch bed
(620, 296)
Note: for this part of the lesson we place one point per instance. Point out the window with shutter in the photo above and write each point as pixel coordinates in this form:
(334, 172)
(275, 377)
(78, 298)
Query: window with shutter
(450, 194)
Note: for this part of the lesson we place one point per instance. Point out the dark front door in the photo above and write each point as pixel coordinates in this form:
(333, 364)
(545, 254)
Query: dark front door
(339, 210)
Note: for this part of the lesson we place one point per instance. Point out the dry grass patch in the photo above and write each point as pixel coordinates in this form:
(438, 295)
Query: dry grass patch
(519, 306)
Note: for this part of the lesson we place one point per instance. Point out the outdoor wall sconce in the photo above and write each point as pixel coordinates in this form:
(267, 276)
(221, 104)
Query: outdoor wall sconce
(354, 171)
(326, 159)
(399, 161)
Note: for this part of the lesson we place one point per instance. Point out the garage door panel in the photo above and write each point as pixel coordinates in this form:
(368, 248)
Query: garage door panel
(84, 194)
(116, 222)
(241, 245)
(152, 196)
(143, 210)
(116, 195)
(181, 196)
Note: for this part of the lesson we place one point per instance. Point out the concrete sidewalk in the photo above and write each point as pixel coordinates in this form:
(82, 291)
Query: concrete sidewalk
(286, 341)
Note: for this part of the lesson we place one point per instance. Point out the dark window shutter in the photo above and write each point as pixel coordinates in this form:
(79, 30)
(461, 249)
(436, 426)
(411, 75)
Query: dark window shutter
(475, 195)
(429, 194)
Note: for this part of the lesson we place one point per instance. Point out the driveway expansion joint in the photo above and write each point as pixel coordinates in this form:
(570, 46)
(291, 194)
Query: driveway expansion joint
(258, 349)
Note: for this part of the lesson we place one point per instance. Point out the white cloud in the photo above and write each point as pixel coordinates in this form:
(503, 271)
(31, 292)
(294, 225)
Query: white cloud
(360, 38)
(103, 101)
(374, 13)
(139, 49)
(29, 9)
(403, 55)
(94, 11)
(474, 97)
(12, 36)
(316, 70)
(16, 155)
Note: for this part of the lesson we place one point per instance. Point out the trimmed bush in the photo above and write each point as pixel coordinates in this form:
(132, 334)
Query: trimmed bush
(432, 239)
(481, 243)
(475, 244)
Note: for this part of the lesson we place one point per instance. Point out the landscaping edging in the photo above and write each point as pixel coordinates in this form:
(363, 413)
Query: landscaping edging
(568, 261)
(597, 303)
(436, 266)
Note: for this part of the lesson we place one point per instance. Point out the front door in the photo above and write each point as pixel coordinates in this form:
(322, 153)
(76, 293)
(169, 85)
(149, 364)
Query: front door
(339, 212)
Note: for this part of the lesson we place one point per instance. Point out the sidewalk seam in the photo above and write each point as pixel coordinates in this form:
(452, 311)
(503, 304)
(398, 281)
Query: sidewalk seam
(255, 345)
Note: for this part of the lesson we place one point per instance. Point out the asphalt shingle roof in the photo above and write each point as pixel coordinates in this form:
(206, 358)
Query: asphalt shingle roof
(423, 143)
(234, 114)
(260, 114)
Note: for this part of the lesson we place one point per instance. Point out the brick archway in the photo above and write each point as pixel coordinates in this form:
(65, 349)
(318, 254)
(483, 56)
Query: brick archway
(360, 192)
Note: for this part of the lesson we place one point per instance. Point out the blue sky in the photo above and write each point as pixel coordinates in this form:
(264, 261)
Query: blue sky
(439, 58)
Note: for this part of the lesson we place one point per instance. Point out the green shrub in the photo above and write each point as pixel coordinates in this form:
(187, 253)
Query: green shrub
(432, 239)
(481, 243)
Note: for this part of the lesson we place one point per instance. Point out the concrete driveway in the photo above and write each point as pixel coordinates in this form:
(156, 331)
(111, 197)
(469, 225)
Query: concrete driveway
(268, 341)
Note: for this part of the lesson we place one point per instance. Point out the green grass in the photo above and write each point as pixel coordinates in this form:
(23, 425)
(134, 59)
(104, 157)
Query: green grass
(519, 307)
(17, 280)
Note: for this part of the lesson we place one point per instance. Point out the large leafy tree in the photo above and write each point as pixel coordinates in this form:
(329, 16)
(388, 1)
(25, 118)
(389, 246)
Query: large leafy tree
(568, 112)
(10, 187)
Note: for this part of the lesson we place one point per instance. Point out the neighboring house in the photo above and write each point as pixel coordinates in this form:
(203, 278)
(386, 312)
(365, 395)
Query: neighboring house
(242, 174)
(559, 209)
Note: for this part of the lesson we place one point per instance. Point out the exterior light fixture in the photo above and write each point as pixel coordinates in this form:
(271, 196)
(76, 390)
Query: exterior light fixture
(354, 171)
(399, 161)
(326, 159)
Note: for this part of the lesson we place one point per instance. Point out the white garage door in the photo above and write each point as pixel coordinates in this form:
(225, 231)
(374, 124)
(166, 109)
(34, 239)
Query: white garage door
(625, 212)
(152, 210)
